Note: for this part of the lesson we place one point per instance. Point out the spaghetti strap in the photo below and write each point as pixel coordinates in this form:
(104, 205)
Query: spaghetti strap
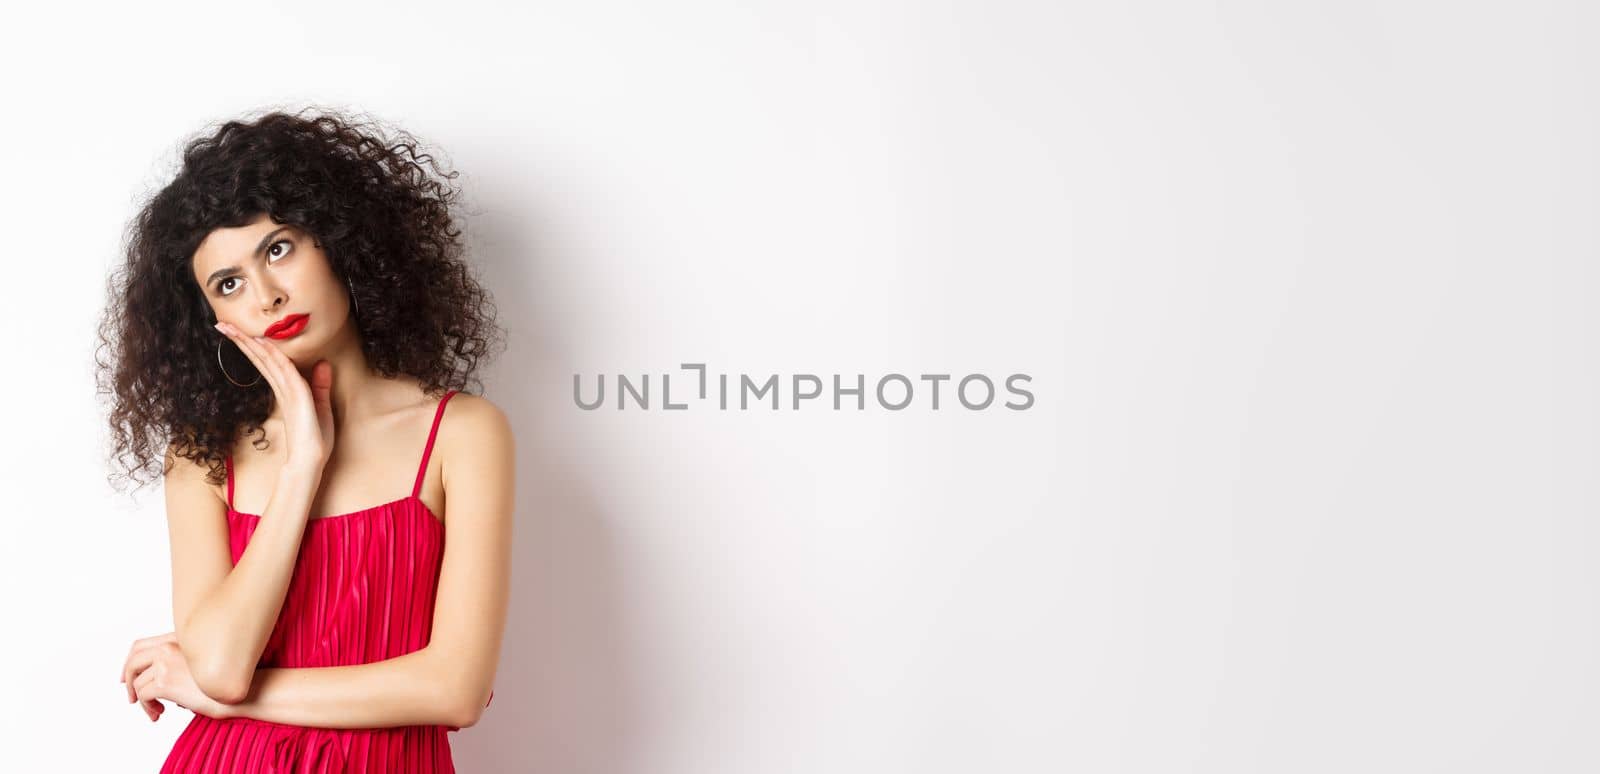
(422, 469)
(227, 460)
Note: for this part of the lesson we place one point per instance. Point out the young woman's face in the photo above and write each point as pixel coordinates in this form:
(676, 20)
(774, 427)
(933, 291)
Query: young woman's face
(266, 276)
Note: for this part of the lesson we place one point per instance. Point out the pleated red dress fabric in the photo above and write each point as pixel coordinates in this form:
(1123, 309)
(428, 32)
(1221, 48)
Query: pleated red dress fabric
(363, 590)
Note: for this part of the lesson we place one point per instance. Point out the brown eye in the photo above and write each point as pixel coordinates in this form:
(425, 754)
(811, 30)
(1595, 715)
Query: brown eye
(273, 254)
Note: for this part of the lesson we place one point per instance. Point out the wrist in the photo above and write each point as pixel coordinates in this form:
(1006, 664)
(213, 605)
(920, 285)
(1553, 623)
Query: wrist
(300, 478)
(303, 469)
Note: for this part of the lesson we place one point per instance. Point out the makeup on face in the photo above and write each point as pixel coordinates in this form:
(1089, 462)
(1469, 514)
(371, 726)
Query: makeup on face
(288, 327)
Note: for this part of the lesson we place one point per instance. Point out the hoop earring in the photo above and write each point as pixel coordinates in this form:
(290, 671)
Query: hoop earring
(225, 370)
(353, 301)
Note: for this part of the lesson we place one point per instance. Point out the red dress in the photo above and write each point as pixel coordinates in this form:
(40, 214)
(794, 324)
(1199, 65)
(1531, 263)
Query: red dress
(363, 590)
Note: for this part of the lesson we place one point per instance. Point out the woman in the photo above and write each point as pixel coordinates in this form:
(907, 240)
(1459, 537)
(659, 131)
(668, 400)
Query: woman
(293, 318)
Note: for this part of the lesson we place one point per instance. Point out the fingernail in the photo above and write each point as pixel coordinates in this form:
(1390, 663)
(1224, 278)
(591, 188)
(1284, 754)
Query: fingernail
(219, 328)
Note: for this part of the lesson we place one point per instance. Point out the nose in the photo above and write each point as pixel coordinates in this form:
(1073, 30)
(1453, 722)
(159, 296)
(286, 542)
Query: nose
(270, 296)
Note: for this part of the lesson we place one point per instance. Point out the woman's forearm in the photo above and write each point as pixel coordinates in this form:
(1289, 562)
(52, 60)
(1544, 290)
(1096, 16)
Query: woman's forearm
(224, 637)
(409, 690)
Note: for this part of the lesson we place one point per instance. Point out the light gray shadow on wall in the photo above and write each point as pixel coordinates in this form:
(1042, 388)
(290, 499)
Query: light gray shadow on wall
(562, 693)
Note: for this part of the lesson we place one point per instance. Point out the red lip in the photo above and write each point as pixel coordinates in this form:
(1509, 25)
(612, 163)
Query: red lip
(287, 327)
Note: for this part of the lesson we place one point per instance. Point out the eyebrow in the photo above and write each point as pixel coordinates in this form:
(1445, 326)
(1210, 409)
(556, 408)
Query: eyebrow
(226, 270)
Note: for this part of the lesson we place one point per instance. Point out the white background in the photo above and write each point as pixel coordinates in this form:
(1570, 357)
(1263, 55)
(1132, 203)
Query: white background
(1306, 291)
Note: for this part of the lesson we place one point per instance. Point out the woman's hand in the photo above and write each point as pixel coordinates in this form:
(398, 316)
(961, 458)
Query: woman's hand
(156, 669)
(307, 406)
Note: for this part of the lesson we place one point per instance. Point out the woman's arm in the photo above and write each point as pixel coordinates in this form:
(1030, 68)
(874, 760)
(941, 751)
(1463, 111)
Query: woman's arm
(222, 613)
(417, 688)
(448, 682)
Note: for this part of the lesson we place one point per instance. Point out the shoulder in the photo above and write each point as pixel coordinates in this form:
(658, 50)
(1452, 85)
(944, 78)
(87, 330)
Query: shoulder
(479, 458)
(180, 470)
(472, 426)
(468, 410)
(187, 479)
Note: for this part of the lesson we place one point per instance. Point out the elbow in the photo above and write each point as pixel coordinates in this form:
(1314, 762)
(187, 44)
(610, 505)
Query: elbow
(468, 706)
(228, 683)
(224, 685)
(461, 693)
(233, 693)
(466, 716)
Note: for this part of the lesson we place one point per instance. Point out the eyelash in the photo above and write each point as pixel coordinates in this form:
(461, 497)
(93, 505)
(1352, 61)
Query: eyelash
(224, 281)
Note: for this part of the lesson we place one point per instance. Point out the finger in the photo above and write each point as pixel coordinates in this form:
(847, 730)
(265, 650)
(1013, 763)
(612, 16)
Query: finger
(144, 687)
(145, 642)
(295, 390)
(149, 695)
(289, 373)
(322, 379)
(139, 657)
(142, 650)
(130, 671)
(322, 391)
(129, 663)
(291, 386)
(137, 664)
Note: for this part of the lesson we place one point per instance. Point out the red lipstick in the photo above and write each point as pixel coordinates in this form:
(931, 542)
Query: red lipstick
(287, 327)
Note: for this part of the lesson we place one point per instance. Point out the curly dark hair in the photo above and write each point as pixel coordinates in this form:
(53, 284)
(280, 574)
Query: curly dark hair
(386, 225)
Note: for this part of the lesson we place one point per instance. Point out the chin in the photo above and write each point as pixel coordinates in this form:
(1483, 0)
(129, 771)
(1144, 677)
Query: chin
(307, 348)
(303, 353)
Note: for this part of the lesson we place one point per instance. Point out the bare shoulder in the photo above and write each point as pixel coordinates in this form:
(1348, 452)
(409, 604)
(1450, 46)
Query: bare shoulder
(473, 421)
(186, 483)
(185, 479)
(479, 450)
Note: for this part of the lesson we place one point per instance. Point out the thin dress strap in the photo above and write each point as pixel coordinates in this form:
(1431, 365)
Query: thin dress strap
(227, 460)
(438, 413)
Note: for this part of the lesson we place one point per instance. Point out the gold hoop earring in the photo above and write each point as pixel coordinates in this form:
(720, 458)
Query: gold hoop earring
(225, 369)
